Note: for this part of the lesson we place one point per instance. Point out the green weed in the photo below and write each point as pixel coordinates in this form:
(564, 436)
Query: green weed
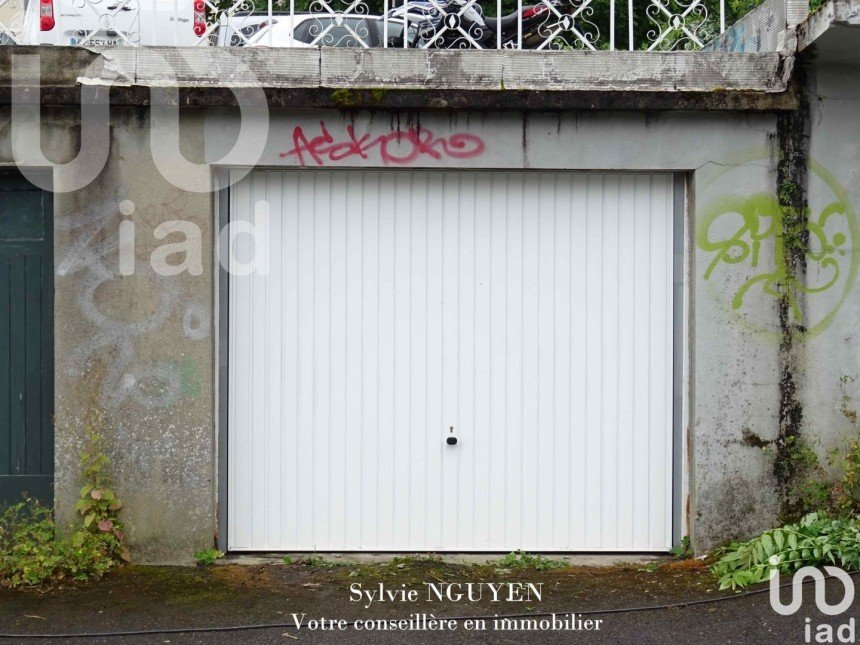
(206, 557)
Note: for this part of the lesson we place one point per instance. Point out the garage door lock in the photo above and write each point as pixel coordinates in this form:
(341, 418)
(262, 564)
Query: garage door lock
(451, 440)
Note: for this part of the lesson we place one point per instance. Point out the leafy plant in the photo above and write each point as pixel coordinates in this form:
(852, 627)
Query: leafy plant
(651, 567)
(813, 541)
(845, 492)
(320, 563)
(522, 560)
(31, 551)
(807, 482)
(206, 557)
(813, 486)
(31, 554)
(683, 551)
(742, 7)
(98, 506)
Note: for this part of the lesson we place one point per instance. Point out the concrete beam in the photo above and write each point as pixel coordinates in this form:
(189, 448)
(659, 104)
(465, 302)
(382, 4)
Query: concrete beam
(558, 70)
(442, 100)
(396, 79)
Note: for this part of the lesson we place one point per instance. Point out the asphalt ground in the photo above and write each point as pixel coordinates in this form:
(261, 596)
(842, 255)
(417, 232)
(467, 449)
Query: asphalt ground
(325, 599)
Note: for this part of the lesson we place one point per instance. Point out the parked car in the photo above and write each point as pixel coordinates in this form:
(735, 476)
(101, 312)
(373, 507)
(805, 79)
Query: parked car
(315, 30)
(238, 29)
(11, 21)
(395, 29)
(312, 30)
(115, 22)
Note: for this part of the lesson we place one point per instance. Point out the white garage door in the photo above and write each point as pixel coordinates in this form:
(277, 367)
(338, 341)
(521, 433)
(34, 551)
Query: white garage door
(526, 315)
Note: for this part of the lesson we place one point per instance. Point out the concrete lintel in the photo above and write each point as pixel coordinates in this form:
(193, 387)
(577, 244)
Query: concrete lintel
(555, 70)
(396, 79)
(439, 100)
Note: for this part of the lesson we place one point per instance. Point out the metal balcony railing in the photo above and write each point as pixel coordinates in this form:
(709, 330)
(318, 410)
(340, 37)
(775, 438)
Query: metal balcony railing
(473, 24)
(660, 25)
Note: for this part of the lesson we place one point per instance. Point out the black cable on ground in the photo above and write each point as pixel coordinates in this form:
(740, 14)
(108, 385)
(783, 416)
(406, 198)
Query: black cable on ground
(351, 623)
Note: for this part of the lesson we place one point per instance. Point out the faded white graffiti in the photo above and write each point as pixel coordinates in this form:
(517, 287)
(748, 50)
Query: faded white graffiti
(93, 253)
(157, 385)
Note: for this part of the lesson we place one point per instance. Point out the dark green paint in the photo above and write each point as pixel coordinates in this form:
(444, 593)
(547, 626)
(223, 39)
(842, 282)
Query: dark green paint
(26, 341)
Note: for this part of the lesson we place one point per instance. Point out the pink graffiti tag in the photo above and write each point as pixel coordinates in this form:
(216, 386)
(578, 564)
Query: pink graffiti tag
(411, 144)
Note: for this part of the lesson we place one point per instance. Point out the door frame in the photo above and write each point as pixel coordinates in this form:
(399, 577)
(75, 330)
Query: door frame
(682, 354)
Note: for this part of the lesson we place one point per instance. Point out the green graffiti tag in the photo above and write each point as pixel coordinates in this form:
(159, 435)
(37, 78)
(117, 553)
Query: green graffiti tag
(735, 229)
(761, 219)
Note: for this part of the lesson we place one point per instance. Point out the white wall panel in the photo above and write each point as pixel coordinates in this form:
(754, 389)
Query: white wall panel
(531, 312)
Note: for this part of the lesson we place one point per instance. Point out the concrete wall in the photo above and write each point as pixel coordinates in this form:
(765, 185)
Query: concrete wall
(139, 345)
(150, 337)
(832, 352)
(154, 334)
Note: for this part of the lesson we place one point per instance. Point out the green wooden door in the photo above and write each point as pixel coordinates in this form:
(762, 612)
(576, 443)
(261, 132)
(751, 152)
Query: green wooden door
(26, 342)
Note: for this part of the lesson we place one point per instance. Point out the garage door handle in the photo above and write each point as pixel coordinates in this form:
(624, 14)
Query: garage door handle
(451, 440)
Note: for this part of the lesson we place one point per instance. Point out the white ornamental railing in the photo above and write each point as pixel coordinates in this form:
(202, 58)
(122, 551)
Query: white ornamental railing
(474, 24)
(655, 25)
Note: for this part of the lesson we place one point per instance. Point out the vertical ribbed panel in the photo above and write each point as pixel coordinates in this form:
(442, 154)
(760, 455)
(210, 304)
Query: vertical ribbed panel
(531, 312)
